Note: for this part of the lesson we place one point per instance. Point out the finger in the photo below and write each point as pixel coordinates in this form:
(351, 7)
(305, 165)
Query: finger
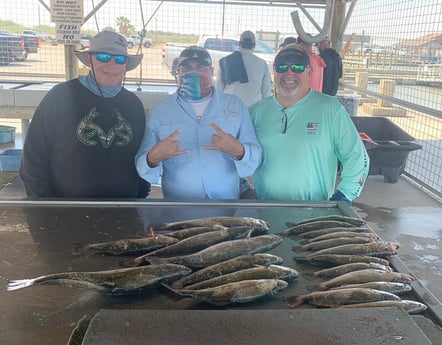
(217, 129)
(173, 135)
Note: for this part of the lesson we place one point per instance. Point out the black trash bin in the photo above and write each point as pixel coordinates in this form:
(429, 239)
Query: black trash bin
(388, 154)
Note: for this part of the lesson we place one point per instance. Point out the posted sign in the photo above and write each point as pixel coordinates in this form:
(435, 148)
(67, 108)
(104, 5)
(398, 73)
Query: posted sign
(68, 18)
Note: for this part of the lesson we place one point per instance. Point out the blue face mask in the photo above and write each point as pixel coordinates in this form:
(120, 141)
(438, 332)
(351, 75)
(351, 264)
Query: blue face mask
(190, 86)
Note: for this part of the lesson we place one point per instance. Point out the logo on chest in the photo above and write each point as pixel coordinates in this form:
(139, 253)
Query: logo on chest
(312, 127)
(91, 133)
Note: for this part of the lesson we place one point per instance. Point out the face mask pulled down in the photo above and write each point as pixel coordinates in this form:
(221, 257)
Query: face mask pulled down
(193, 86)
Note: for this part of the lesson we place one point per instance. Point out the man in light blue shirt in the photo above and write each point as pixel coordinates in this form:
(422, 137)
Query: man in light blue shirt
(198, 141)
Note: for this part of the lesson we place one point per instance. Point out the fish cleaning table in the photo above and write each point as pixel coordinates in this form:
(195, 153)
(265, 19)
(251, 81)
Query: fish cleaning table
(369, 326)
(36, 239)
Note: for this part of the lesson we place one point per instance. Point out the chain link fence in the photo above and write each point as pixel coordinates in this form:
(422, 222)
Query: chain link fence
(392, 53)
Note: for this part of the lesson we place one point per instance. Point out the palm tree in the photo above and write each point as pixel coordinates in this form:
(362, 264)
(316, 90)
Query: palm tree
(124, 26)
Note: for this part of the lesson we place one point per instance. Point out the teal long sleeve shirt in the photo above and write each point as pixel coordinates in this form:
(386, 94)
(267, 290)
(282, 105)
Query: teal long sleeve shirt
(301, 164)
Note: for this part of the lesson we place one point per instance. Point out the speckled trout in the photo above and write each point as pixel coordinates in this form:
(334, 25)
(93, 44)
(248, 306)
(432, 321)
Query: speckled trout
(119, 281)
(340, 297)
(340, 218)
(193, 244)
(342, 269)
(364, 276)
(409, 306)
(228, 266)
(258, 272)
(211, 221)
(238, 292)
(125, 246)
(379, 249)
(393, 287)
(223, 251)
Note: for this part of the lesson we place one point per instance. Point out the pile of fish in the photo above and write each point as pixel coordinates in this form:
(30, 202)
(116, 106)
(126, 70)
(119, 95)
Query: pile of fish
(360, 274)
(218, 260)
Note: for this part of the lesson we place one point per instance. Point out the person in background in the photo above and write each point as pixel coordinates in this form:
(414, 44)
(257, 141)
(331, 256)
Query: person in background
(199, 141)
(303, 134)
(333, 71)
(288, 40)
(317, 65)
(244, 74)
(247, 76)
(85, 133)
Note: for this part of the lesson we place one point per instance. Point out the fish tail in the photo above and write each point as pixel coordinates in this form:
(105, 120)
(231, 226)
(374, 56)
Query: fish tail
(177, 294)
(78, 249)
(300, 258)
(19, 284)
(294, 301)
(309, 276)
(318, 287)
(133, 262)
(298, 249)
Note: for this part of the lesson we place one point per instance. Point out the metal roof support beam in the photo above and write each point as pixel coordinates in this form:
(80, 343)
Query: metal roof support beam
(323, 33)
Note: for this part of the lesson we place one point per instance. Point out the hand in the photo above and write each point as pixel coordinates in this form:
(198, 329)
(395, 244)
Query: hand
(165, 149)
(339, 196)
(224, 142)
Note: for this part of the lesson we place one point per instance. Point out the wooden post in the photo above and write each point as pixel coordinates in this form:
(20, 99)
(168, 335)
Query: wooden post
(386, 87)
(361, 79)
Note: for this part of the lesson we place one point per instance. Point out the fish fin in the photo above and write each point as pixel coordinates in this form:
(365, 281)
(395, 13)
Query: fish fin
(152, 231)
(309, 275)
(289, 224)
(19, 284)
(79, 249)
(155, 260)
(304, 242)
(294, 301)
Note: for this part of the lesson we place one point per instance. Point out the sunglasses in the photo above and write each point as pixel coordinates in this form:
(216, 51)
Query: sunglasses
(283, 68)
(105, 58)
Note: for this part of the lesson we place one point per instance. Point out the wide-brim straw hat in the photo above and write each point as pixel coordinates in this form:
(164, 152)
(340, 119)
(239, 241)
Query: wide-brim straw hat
(112, 43)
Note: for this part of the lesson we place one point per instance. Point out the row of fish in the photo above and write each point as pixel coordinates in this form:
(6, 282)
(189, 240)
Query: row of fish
(223, 260)
(219, 260)
(360, 274)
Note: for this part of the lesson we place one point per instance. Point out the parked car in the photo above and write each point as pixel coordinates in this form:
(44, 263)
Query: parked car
(85, 41)
(29, 44)
(217, 47)
(11, 46)
(134, 41)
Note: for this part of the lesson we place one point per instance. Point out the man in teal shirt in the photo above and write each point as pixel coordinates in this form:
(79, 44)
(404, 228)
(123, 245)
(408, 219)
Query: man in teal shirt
(304, 134)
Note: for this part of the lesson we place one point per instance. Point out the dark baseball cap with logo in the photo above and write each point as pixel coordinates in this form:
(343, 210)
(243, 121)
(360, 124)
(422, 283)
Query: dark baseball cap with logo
(195, 53)
(292, 53)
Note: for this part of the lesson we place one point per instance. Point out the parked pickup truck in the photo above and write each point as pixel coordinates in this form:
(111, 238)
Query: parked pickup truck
(11, 46)
(9, 52)
(31, 43)
(218, 47)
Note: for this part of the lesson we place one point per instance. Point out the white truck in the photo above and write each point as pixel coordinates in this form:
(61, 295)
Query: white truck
(218, 47)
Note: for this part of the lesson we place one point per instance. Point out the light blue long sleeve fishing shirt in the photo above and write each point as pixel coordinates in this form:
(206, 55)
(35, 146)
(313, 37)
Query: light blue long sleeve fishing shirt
(200, 173)
(301, 164)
